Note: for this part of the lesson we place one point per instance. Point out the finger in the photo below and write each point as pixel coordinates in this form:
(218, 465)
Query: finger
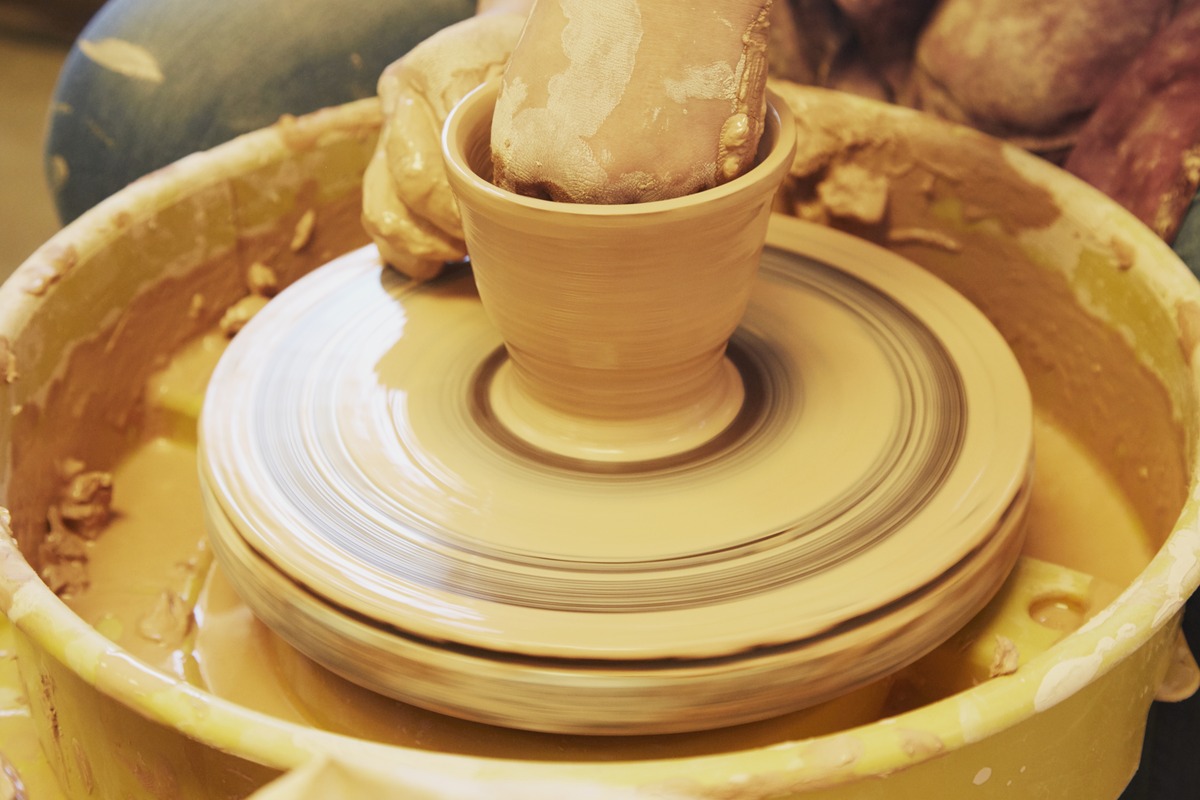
(407, 242)
(424, 86)
(414, 160)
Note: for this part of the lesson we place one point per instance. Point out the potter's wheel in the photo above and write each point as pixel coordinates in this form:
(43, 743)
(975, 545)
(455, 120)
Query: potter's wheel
(370, 502)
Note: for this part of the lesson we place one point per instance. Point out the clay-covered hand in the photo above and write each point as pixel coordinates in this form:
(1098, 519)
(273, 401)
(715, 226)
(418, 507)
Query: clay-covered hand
(631, 100)
(408, 208)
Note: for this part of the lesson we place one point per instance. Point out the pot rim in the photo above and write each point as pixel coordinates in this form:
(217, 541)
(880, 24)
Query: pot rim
(1144, 608)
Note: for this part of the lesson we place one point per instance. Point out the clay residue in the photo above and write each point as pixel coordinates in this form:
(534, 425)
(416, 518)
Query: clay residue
(1183, 677)
(1123, 252)
(240, 313)
(92, 402)
(1080, 369)
(80, 513)
(1187, 315)
(63, 556)
(926, 236)
(296, 133)
(8, 362)
(1068, 676)
(835, 130)
(739, 136)
(920, 744)
(168, 621)
(124, 58)
(302, 233)
(196, 307)
(1005, 658)
(46, 268)
(852, 192)
(86, 501)
(261, 280)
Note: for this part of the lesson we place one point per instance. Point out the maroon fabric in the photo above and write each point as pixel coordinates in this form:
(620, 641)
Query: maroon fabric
(886, 29)
(1032, 68)
(1141, 146)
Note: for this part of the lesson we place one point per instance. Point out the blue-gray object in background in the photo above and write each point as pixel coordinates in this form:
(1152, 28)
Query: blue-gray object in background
(184, 76)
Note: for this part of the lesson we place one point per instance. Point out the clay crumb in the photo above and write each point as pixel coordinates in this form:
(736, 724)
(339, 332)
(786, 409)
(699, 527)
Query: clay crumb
(302, 233)
(37, 276)
(60, 170)
(811, 159)
(8, 362)
(262, 280)
(1123, 253)
(810, 210)
(241, 312)
(63, 556)
(196, 306)
(1005, 658)
(69, 467)
(925, 236)
(66, 578)
(297, 133)
(851, 191)
(86, 503)
(973, 213)
(124, 58)
(169, 620)
(60, 543)
(118, 331)
(1187, 314)
(928, 186)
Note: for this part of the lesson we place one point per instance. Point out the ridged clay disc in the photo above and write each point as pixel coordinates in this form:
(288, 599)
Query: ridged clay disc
(368, 501)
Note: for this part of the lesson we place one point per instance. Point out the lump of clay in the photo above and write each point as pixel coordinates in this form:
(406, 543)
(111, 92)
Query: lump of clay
(1029, 70)
(631, 100)
(1141, 147)
(86, 503)
(63, 555)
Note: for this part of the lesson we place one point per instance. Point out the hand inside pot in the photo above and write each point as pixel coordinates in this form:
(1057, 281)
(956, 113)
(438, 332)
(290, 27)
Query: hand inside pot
(631, 100)
(602, 103)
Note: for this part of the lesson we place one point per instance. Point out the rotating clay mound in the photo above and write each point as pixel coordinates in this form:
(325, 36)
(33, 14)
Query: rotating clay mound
(367, 500)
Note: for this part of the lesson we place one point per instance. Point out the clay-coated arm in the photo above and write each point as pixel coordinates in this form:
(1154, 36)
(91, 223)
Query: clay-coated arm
(631, 100)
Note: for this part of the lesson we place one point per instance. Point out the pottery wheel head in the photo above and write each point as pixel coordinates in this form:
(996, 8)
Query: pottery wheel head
(378, 499)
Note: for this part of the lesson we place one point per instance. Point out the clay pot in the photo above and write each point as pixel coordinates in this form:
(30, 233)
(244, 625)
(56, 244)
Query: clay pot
(616, 313)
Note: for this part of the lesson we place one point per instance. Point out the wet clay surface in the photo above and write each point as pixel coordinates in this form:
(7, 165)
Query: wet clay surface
(231, 653)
